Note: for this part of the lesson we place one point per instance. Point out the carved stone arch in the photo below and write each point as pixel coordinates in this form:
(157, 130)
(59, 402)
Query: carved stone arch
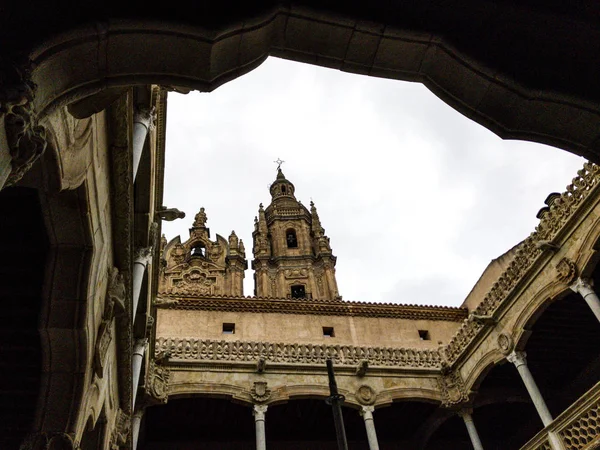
(205, 58)
(233, 392)
(63, 318)
(388, 396)
(534, 308)
(481, 368)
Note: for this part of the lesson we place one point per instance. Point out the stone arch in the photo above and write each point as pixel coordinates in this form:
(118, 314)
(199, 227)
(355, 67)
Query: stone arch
(124, 52)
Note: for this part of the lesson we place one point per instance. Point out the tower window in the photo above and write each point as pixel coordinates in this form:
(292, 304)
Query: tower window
(328, 332)
(229, 328)
(424, 335)
(283, 189)
(290, 238)
(298, 291)
(198, 250)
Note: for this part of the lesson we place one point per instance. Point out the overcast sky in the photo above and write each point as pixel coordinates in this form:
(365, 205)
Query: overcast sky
(416, 198)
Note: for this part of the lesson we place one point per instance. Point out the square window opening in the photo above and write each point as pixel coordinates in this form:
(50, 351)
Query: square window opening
(424, 335)
(328, 332)
(229, 328)
(298, 291)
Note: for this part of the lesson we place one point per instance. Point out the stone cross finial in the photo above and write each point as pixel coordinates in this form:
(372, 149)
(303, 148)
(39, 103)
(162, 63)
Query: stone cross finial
(279, 162)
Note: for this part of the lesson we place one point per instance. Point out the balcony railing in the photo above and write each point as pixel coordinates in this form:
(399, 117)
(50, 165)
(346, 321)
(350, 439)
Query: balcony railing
(578, 427)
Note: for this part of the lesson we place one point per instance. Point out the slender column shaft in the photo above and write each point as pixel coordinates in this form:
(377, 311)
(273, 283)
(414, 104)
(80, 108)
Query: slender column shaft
(584, 289)
(259, 424)
(367, 413)
(468, 419)
(520, 362)
(136, 421)
(5, 158)
(142, 122)
(142, 259)
(138, 356)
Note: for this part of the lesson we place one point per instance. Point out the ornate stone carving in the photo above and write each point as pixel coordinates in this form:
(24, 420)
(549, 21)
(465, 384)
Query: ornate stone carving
(120, 433)
(143, 255)
(200, 219)
(158, 381)
(517, 358)
(295, 273)
(365, 395)
(25, 138)
(566, 271)
(505, 343)
(452, 389)
(259, 392)
(361, 370)
(342, 355)
(115, 298)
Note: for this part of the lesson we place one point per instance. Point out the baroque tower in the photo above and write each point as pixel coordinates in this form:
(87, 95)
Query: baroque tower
(292, 255)
(200, 266)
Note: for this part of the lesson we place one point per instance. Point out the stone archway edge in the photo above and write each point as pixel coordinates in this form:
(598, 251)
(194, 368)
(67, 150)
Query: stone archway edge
(122, 52)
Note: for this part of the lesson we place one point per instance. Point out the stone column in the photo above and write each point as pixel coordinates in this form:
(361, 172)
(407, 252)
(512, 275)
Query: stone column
(583, 288)
(519, 359)
(259, 422)
(468, 419)
(143, 120)
(520, 362)
(138, 357)
(136, 421)
(367, 413)
(142, 258)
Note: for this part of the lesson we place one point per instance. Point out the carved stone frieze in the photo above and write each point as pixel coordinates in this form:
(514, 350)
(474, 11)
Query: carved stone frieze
(366, 395)
(342, 355)
(26, 139)
(566, 271)
(157, 384)
(452, 389)
(259, 392)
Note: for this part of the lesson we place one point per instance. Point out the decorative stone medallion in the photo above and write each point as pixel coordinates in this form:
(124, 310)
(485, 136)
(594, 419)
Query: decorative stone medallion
(365, 395)
(259, 392)
(505, 343)
(566, 271)
(452, 389)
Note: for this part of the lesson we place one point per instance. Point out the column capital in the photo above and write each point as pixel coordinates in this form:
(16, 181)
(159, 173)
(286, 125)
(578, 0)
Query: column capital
(260, 411)
(465, 413)
(140, 346)
(581, 286)
(367, 412)
(145, 116)
(517, 358)
(143, 255)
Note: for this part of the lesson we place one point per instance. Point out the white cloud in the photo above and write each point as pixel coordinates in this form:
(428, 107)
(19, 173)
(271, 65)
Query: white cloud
(416, 198)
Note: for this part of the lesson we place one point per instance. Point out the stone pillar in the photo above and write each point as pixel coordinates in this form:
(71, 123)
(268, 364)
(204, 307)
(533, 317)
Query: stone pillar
(136, 421)
(367, 413)
(143, 120)
(468, 419)
(583, 288)
(520, 361)
(138, 357)
(259, 422)
(142, 258)
(5, 157)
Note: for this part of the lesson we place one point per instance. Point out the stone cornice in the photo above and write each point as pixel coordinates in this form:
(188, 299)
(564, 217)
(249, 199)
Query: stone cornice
(315, 307)
(211, 351)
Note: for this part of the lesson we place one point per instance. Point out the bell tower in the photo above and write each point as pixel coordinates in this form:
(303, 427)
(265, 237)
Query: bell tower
(292, 256)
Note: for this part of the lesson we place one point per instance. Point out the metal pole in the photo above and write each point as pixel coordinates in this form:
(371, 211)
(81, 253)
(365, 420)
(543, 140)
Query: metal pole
(336, 400)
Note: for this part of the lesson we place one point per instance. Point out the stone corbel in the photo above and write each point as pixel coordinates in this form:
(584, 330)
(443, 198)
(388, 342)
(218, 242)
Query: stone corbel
(483, 319)
(26, 140)
(361, 370)
(261, 365)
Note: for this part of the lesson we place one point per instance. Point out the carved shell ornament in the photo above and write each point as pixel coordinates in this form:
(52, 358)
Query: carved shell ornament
(259, 392)
(365, 395)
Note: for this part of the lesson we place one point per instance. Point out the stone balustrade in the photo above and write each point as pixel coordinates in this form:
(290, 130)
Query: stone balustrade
(578, 426)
